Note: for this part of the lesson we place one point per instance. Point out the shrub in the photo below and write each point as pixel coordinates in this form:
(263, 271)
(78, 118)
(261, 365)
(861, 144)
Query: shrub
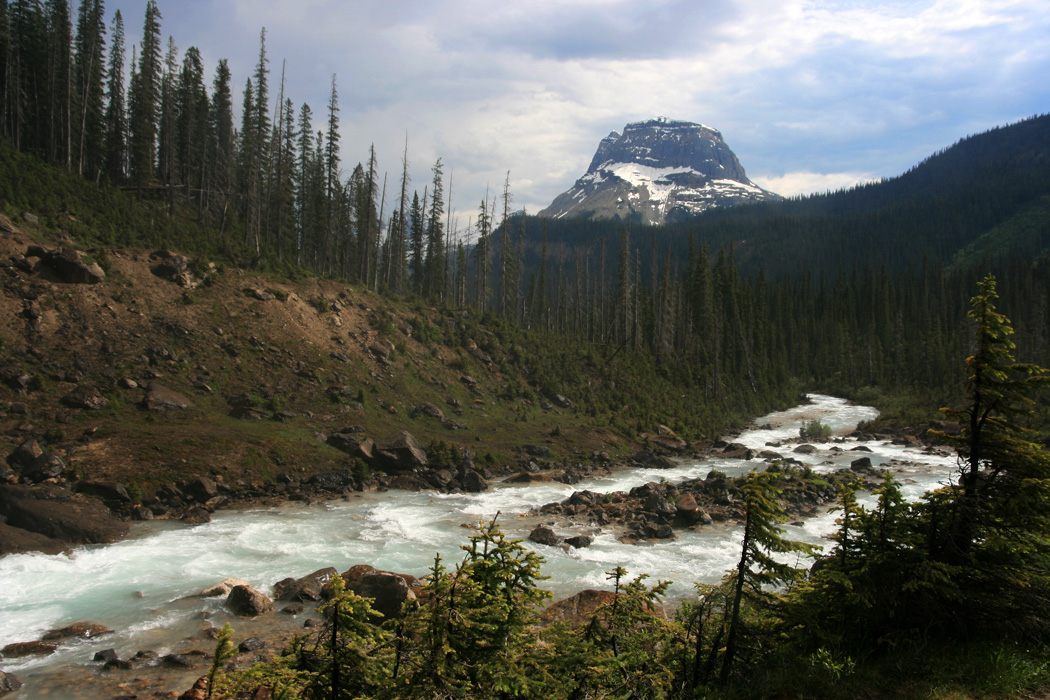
(814, 430)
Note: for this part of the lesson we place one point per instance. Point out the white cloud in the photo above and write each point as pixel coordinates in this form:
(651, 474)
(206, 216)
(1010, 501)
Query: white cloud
(821, 91)
(803, 183)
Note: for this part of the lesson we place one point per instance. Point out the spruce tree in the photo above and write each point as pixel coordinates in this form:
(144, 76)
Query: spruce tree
(758, 568)
(116, 120)
(145, 99)
(89, 70)
(434, 272)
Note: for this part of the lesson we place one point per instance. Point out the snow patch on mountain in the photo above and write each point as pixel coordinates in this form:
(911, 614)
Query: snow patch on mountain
(658, 170)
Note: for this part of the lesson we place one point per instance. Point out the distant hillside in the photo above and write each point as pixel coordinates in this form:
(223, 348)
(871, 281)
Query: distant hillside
(979, 200)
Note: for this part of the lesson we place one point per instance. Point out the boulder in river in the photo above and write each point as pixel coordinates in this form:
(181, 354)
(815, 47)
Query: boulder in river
(473, 482)
(544, 535)
(861, 465)
(245, 601)
(223, 588)
(388, 590)
(305, 589)
(9, 683)
(77, 630)
(20, 650)
(59, 514)
(579, 541)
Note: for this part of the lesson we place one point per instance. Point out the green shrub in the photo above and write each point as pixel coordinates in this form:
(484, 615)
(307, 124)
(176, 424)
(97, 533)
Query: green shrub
(814, 430)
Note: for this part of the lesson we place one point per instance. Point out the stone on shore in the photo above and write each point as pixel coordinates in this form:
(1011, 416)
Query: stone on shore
(245, 601)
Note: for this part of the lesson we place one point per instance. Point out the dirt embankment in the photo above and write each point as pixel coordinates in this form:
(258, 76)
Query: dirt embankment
(162, 386)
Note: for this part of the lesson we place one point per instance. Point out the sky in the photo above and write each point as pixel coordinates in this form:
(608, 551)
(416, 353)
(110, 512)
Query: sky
(811, 95)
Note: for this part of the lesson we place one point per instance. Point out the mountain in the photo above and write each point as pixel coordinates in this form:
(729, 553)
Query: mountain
(982, 200)
(658, 171)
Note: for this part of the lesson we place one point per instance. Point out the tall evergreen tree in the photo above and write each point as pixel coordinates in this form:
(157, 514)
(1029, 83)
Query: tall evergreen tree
(416, 256)
(255, 135)
(116, 120)
(89, 69)
(399, 234)
(167, 135)
(483, 255)
(194, 125)
(1000, 465)
(434, 274)
(758, 568)
(331, 172)
(27, 76)
(5, 52)
(305, 212)
(221, 143)
(145, 99)
(59, 82)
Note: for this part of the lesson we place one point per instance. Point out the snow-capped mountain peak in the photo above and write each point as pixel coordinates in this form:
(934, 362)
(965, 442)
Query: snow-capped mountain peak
(656, 171)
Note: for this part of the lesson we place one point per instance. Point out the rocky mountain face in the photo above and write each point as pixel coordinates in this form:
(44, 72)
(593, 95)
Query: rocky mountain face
(657, 171)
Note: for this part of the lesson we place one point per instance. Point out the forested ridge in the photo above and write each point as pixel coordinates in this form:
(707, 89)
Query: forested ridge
(869, 293)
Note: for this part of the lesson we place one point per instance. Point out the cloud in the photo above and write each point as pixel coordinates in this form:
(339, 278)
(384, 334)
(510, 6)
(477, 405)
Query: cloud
(818, 91)
(803, 183)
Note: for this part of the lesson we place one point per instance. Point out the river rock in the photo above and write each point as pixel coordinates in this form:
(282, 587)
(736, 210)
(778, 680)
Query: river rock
(577, 609)
(473, 482)
(112, 493)
(544, 535)
(9, 683)
(305, 589)
(406, 482)
(861, 465)
(251, 644)
(160, 398)
(179, 661)
(527, 478)
(60, 514)
(223, 588)
(245, 601)
(20, 650)
(657, 504)
(805, 449)
(335, 480)
(388, 590)
(579, 541)
(687, 509)
(197, 515)
(400, 452)
(201, 489)
(105, 655)
(15, 540)
(77, 630)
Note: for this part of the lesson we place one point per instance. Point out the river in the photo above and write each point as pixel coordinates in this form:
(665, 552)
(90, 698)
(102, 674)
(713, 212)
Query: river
(142, 586)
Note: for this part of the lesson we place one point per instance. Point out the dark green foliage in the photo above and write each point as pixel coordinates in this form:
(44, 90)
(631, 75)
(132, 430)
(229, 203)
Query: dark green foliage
(814, 430)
